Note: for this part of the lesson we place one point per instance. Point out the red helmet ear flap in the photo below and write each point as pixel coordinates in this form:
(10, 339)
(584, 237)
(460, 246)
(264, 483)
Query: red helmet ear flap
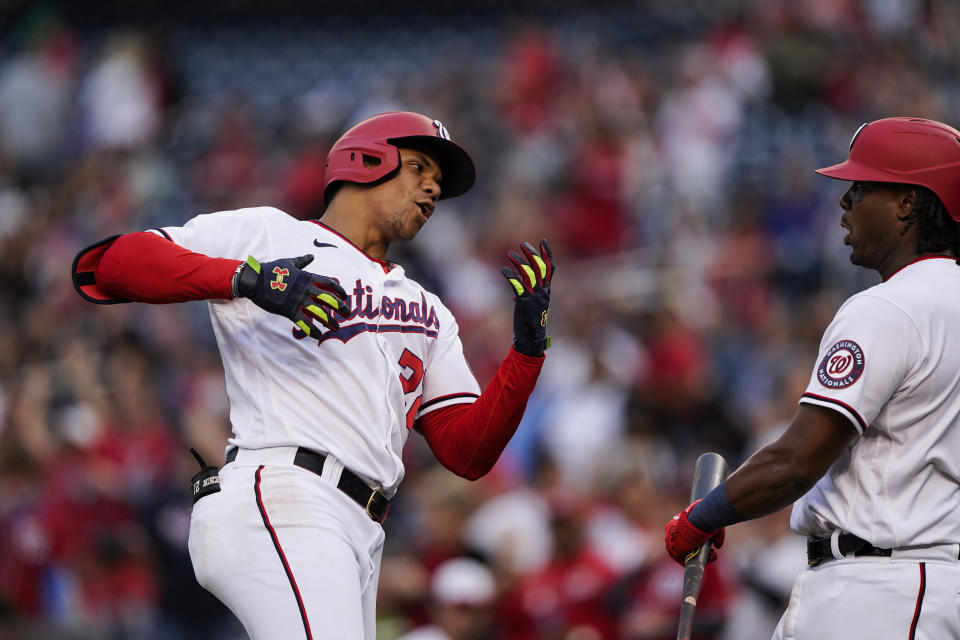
(377, 138)
(907, 151)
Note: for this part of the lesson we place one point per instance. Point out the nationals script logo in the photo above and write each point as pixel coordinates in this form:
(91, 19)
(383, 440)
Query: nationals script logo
(842, 365)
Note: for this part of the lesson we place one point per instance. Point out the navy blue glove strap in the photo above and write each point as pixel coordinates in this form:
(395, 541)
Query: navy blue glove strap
(715, 511)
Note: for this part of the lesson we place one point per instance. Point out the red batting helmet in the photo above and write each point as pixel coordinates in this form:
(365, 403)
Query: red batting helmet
(377, 138)
(908, 151)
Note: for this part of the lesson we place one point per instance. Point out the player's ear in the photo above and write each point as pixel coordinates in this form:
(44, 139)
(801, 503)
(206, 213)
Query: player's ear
(906, 209)
(906, 202)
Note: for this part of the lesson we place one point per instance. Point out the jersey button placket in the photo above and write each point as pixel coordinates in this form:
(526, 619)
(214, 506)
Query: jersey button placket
(380, 279)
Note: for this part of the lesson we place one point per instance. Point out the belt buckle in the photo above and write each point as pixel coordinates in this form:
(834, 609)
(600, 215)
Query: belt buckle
(373, 494)
(814, 557)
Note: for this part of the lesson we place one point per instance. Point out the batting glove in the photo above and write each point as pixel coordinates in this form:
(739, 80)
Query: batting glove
(530, 279)
(281, 287)
(683, 540)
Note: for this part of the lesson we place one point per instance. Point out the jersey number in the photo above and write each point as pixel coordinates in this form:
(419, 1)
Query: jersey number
(411, 382)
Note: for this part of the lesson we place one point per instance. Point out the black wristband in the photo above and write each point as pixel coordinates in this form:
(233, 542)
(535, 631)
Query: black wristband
(532, 350)
(246, 279)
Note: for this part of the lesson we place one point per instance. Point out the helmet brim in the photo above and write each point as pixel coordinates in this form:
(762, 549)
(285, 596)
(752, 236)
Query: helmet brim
(459, 172)
(854, 171)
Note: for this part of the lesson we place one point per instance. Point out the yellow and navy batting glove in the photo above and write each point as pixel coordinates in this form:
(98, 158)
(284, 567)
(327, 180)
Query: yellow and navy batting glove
(283, 288)
(530, 279)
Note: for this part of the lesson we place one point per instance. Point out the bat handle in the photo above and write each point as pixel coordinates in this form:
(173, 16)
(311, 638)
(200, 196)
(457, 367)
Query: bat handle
(710, 471)
(692, 577)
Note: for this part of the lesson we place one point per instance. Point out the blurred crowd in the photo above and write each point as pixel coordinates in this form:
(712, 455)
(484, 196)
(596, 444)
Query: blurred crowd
(665, 152)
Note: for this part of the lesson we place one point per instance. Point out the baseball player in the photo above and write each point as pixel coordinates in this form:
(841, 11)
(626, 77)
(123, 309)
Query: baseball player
(872, 455)
(328, 371)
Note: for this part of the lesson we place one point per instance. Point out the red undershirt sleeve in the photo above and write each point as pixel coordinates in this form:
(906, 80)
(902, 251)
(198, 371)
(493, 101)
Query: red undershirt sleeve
(144, 267)
(469, 438)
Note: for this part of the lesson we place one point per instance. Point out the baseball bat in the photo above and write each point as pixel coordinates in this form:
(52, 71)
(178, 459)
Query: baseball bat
(711, 470)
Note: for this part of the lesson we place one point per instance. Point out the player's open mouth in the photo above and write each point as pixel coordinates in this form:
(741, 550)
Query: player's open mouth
(425, 208)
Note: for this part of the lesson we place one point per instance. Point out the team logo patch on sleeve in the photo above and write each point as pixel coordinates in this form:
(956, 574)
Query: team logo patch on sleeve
(842, 365)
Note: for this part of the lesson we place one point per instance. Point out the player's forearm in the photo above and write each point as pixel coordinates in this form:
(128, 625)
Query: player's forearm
(784, 470)
(765, 483)
(143, 267)
(768, 481)
(779, 473)
(468, 440)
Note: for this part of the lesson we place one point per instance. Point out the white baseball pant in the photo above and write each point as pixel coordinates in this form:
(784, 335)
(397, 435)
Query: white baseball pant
(913, 595)
(290, 554)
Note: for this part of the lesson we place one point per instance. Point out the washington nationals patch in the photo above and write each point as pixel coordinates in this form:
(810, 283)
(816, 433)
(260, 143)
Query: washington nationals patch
(842, 365)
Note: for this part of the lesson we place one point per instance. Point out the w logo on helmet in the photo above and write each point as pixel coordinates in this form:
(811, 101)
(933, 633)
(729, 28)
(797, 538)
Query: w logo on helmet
(441, 130)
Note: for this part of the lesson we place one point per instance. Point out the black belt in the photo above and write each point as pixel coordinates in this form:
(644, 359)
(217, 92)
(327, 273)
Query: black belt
(819, 548)
(374, 503)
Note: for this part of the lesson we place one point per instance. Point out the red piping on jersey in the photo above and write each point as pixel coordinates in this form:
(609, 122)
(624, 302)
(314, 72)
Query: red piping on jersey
(383, 263)
(283, 557)
(853, 411)
(916, 611)
(920, 259)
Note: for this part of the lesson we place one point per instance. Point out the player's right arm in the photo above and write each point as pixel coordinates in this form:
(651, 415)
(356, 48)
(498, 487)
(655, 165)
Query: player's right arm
(772, 478)
(147, 267)
(858, 370)
(784, 470)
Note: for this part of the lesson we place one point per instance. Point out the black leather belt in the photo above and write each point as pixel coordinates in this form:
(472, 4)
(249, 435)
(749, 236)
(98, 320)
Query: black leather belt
(374, 503)
(819, 548)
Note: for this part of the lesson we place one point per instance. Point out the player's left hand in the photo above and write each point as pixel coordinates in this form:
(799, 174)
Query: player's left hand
(530, 280)
(683, 539)
(284, 288)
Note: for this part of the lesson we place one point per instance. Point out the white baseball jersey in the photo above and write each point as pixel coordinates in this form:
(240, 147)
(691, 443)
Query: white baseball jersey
(357, 393)
(890, 363)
